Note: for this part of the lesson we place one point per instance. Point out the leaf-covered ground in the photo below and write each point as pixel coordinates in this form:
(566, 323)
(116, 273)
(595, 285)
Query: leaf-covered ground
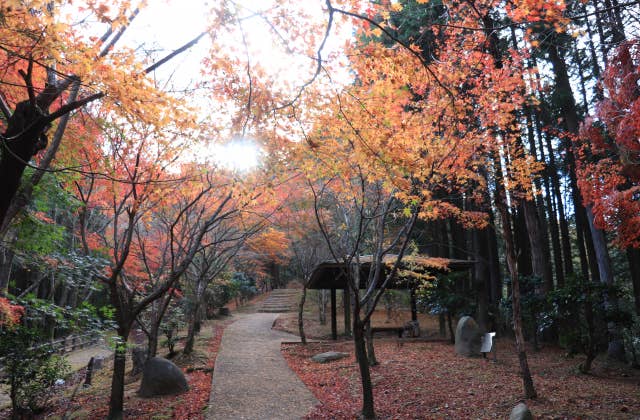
(427, 380)
(93, 402)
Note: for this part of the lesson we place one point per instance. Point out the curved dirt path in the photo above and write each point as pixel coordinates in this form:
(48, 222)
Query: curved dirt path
(251, 379)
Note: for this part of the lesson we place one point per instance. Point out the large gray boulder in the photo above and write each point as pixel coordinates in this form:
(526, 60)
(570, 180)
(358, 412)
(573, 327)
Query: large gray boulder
(328, 356)
(521, 412)
(468, 337)
(162, 377)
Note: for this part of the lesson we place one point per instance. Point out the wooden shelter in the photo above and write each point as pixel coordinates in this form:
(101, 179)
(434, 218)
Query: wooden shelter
(330, 275)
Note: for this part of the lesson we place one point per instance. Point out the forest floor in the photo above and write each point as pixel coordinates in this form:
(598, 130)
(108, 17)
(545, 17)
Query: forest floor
(93, 401)
(78, 402)
(421, 380)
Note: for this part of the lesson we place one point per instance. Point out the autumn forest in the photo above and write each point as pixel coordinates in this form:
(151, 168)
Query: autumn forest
(484, 152)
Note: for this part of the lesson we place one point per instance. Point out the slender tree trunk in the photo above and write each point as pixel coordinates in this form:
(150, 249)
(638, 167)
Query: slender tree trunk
(371, 352)
(521, 241)
(346, 297)
(303, 338)
(567, 255)
(452, 335)
(368, 411)
(5, 269)
(551, 209)
(192, 330)
(442, 325)
(633, 257)
(116, 403)
(322, 307)
(512, 265)
(152, 339)
(527, 381)
(615, 349)
(159, 310)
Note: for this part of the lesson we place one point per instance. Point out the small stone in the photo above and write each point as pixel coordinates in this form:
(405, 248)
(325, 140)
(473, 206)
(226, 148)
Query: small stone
(328, 356)
(521, 412)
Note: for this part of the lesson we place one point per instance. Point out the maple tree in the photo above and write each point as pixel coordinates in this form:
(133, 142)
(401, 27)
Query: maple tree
(608, 167)
(456, 122)
(53, 69)
(10, 314)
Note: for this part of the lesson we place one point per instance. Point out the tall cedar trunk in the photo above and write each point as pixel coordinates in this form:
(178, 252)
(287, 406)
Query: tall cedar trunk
(543, 117)
(591, 346)
(521, 241)
(567, 255)
(614, 21)
(615, 348)
(571, 123)
(481, 276)
(539, 258)
(535, 220)
(597, 244)
(303, 337)
(551, 210)
(633, 257)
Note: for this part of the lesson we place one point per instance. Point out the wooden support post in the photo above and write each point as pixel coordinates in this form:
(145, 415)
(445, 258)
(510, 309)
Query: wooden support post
(334, 324)
(346, 298)
(414, 306)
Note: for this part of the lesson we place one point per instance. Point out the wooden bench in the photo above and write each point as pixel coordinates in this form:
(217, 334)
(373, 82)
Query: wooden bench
(396, 330)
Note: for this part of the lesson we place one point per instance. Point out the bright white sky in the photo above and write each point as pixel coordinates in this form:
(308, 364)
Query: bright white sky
(165, 25)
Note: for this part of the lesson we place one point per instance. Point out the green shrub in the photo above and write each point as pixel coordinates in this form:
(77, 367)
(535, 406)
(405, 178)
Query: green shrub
(31, 371)
(631, 338)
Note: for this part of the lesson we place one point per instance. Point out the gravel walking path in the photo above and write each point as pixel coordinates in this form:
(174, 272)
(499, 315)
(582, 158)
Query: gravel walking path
(251, 379)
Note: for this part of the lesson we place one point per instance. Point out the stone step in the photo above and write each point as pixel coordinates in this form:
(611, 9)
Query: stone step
(281, 300)
(274, 311)
(280, 304)
(286, 302)
(274, 294)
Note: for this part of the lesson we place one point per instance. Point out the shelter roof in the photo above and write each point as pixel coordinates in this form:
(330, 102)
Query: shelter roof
(331, 274)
